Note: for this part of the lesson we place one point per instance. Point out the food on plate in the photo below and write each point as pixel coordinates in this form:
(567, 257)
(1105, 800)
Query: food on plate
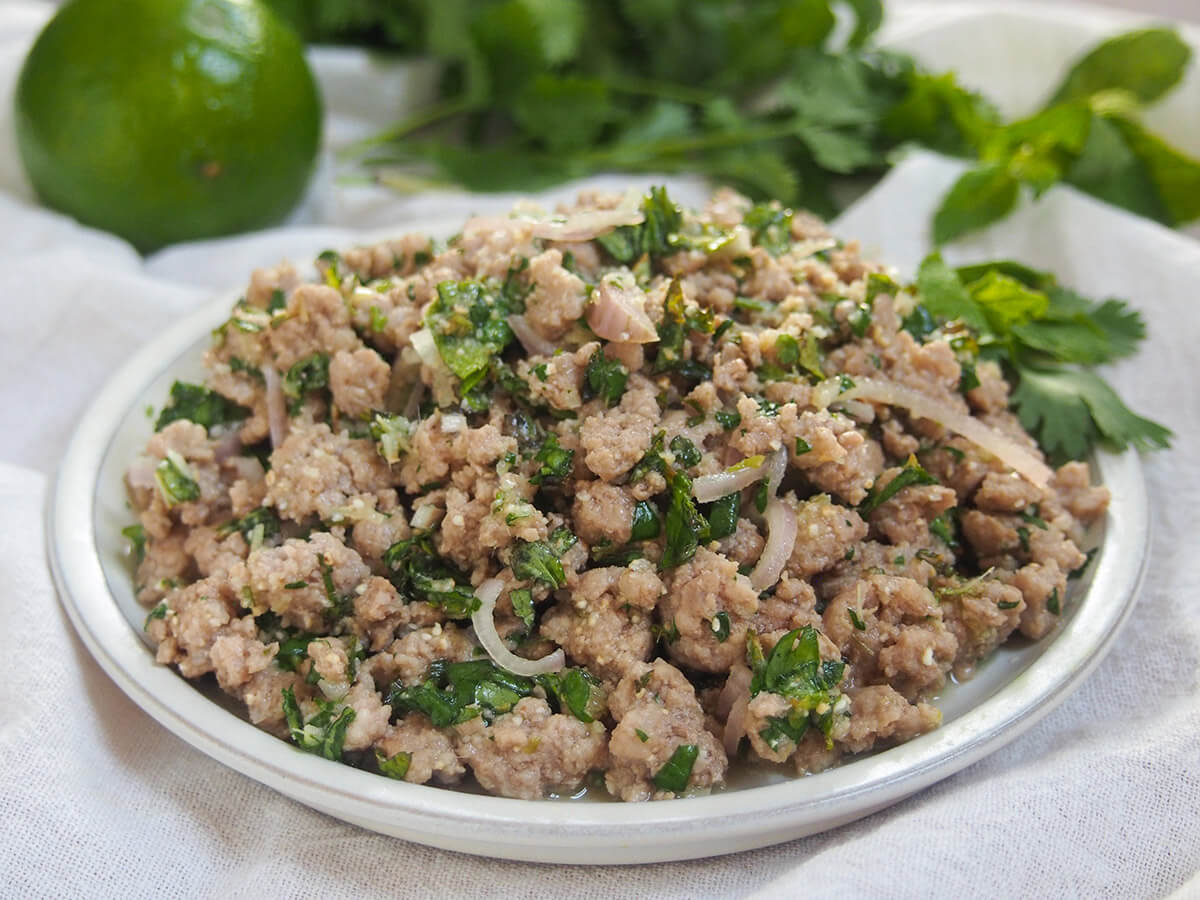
(614, 498)
(168, 120)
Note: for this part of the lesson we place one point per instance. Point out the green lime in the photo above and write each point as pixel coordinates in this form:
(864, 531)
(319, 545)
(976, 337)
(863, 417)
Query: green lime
(168, 120)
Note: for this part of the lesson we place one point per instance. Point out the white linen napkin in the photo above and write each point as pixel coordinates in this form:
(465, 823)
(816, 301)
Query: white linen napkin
(1099, 799)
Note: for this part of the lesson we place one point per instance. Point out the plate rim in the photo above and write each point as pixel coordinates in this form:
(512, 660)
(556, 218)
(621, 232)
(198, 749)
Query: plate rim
(607, 833)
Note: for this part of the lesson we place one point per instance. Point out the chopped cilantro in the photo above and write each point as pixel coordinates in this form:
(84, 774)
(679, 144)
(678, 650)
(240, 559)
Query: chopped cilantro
(304, 376)
(574, 691)
(605, 378)
(911, 474)
(469, 327)
(522, 604)
(685, 527)
(794, 670)
(1053, 604)
(174, 479)
(392, 435)
(379, 319)
(418, 573)
(541, 372)
(200, 405)
(539, 560)
(722, 516)
(720, 626)
(159, 612)
(641, 735)
(677, 771)
(802, 446)
(945, 526)
(770, 225)
(323, 734)
(455, 692)
(393, 766)
(652, 237)
(555, 462)
(728, 419)
(647, 522)
(137, 542)
(856, 619)
(685, 451)
(1008, 604)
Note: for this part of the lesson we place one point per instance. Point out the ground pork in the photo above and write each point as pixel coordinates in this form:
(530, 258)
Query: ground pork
(429, 750)
(531, 753)
(317, 472)
(265, 564)
(699, 592)
(656, 700)
(902, 641)
(604, 623)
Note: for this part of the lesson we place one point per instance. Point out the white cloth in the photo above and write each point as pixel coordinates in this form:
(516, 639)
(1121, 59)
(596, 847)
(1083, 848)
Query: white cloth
(1100, 799)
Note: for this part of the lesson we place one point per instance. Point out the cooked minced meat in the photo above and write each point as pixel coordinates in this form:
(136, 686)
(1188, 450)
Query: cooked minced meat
(616, 499)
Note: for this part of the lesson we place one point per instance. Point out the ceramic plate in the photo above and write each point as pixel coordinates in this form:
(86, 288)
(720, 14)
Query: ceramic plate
(1018, 686)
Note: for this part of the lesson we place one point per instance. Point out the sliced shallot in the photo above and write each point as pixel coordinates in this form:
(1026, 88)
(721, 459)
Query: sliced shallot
(732, 703)
(485, 629)
(617, 312)
(277, 417)
(707, 488)
(781, 539)
(590, 223)
(984, 436)
(534, 343)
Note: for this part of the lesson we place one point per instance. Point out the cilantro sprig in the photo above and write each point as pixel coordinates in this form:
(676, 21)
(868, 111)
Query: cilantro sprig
(1047, 337)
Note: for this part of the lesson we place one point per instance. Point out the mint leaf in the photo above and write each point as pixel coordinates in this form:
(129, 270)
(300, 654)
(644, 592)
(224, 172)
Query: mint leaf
(1145, 63)
(1107, 168)
(1176, 176)
(978, 198)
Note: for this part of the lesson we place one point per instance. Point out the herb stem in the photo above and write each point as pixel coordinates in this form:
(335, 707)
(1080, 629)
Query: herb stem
(430, 115)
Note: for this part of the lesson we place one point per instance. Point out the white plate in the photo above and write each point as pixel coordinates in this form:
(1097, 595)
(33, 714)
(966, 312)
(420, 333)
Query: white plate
(1013, 690)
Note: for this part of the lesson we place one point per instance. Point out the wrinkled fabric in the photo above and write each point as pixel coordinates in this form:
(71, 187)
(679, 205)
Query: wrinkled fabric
(1101, 798)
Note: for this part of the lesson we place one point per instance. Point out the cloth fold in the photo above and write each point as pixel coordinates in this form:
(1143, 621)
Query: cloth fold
(1101, 798)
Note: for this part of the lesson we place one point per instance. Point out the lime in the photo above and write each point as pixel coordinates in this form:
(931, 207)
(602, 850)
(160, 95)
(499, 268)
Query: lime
(168, 120)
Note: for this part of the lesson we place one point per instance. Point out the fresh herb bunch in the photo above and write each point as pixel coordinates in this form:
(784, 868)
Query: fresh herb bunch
(1087, 135)
(1046, 337)
(746, 93)
(769, 96)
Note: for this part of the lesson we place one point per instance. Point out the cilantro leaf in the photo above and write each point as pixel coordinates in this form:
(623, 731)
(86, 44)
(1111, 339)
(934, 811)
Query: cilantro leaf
(1068, 409)
(554, 462)
(942, 293)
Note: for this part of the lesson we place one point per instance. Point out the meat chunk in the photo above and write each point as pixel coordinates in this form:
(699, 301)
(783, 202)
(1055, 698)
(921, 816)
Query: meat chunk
(825, 532)
(317, 472)
(290, 581)
(604, 622)
(700, 590)
(531, 753)
(359, 382)
(430, 753)
(657, 701)
(616, 439)
(878, 714)
(903, 640)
